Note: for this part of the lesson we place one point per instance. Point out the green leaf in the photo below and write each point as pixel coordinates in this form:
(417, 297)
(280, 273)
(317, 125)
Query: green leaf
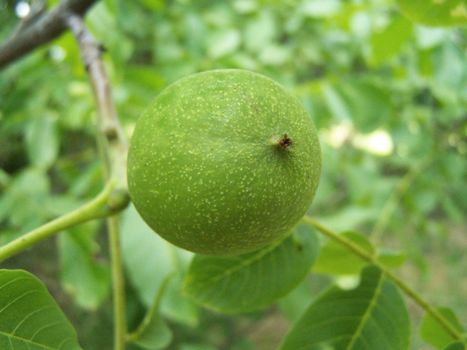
(291, 306)
(390, 257)
(153, 333)
(320, 9)
(433, 333)
(274, 55)
(389, 42)
(260, 31)
(149, 260)
(456, 346)
(42, 141)
(450, 71)
(157, 335)
(196, 347)
(4, 179)
(336, 104)
(335, 259)
(29, 317)
(349, 217)
(82, 275)
(176, 306)
(255, 280)
(223, 43)
(435, 12)
(366, 103)
(372, 316)
(104, 25)
(23, 202)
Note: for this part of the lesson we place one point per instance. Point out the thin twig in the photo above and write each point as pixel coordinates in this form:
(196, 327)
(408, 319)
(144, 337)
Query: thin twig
(96, 208)
(43, 29)
(114, 148)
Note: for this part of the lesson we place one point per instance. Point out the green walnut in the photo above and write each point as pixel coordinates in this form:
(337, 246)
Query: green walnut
(223, 162)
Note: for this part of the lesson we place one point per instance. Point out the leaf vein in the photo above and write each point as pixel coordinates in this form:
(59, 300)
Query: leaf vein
(367, 314)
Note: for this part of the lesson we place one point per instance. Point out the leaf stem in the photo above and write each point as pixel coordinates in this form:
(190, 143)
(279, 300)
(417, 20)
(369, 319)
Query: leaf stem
(118, 284)
(96, 208)
(417, 298)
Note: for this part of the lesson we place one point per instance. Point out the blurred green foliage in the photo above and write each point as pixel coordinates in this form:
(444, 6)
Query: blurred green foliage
(389, 97)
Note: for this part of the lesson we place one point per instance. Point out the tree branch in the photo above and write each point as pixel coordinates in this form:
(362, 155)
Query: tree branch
(114, 140)
(42, 30)
(113, 148)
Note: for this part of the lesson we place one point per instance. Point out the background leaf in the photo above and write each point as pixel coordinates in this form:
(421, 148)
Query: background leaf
(456, 346)
(149, 260)
(255, 280)
(147, 257)
(153, 332)
(176, 306)
(337, 260)
(42, 140)
(391, 257)
(83, 274)
(365, 103)
(387, 43)
(434, 334)
(22, 203)
(29, 317)
(334, 259)
(157, 335)
(372, 316)
(436, 13)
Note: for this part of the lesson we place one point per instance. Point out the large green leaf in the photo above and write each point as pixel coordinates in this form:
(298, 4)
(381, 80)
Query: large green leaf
(433, 333)
(255, 280)
(29, 317)
(436, 12)
(372, 316)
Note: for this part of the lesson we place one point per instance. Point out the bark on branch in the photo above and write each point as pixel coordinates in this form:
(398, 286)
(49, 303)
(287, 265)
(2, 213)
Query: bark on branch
(115, 144)
(42, 30)
(113, 147)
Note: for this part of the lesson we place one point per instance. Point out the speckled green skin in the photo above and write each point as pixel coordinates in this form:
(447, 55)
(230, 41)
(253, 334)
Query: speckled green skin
(205, 170)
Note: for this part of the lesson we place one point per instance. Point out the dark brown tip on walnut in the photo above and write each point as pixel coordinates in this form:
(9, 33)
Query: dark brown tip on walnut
(285, 141)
